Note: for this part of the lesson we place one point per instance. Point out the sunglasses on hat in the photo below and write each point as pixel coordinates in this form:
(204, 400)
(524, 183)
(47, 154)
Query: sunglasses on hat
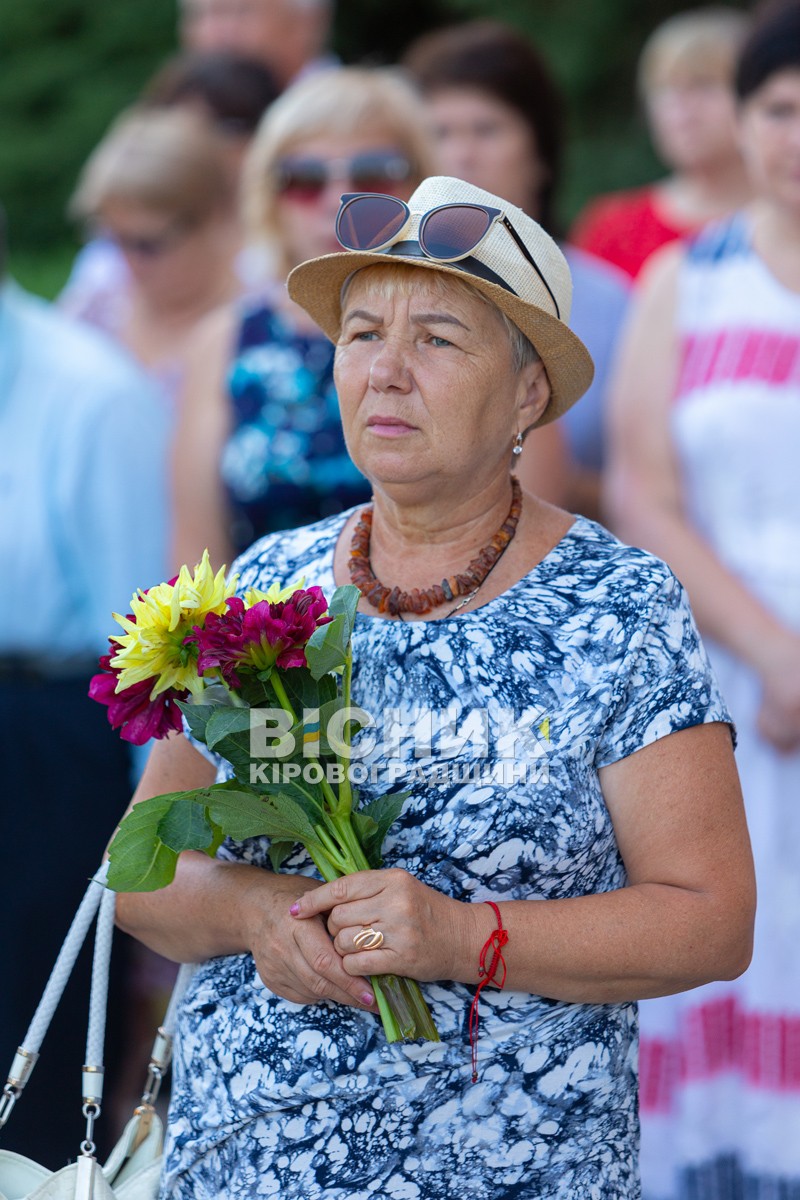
(447, 233)
(372, 171)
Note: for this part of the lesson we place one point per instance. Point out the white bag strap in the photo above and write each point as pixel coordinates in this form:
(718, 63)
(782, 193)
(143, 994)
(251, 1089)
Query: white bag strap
(161, 1053)
(28, 1052)
(97, 897)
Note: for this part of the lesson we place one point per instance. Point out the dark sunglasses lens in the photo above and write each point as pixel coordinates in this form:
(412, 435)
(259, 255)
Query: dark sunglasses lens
(141, 247)
(302, 176)
(453, 231)
(369, 221)
(379, 172)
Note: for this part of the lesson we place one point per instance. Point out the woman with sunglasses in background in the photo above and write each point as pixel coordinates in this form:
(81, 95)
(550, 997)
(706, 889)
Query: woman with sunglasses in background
(159, 190)
(231, 93)
(595, 852)
(260, 445)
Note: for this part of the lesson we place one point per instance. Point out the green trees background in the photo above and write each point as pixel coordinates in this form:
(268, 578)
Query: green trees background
(68, 66)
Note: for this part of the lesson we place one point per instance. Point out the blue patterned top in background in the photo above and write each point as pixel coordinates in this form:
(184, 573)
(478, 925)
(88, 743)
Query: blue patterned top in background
(596, 654)
(285, 462)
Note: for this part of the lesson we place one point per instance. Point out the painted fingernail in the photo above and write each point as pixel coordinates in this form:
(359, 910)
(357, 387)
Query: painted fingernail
(367, 998)
(295, 909)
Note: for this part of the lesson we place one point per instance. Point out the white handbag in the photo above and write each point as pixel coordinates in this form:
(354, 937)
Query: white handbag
(133, 1168)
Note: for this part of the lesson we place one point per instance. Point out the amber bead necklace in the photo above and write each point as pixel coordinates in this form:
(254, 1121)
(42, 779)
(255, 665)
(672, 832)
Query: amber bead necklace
(422, 600)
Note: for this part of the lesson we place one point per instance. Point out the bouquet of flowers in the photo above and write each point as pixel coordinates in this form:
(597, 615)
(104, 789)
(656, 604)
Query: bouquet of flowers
(191, 649)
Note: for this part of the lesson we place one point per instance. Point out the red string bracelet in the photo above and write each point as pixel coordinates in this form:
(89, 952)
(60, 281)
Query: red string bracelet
(495, 943)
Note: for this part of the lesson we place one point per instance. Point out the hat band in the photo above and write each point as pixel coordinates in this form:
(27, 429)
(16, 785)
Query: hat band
(470, 266)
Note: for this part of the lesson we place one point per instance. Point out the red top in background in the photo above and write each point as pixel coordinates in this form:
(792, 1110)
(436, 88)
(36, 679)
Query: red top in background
(625, 228)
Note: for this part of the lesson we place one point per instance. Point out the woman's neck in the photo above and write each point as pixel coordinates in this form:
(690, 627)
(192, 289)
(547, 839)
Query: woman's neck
(776, 240)
(418, 544)
(157, 333)
(692, 197)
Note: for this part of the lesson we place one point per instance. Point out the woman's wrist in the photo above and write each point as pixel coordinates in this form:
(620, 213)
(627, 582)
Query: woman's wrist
(474, 925)
(260, 895)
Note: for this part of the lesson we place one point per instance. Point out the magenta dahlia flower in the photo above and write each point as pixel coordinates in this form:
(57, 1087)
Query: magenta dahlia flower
(258, 638)
(137, 717)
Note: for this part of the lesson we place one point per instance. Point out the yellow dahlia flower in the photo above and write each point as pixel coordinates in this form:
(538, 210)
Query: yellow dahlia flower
(274, 594)
(152, 646)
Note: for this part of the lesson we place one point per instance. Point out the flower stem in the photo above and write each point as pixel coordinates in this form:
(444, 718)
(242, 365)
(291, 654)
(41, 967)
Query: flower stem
(323, 864)
(234, 697)
(345, 805)
(349, 842)
(420, 1013)
(327, 790)
(390, 1026)
(283, 699)
(334, 853)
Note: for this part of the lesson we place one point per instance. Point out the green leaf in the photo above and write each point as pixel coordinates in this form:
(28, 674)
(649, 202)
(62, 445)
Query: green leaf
(281, 818)
(137, 874)
(326, 649)
(255, 692)
(185, 826)
(243, 814)
(239, 814)
(373, 821)
(345, 601)
(302, 689)
(139, 860)
(279, 852)
(306, 796)
(197, 717)
(224, 722)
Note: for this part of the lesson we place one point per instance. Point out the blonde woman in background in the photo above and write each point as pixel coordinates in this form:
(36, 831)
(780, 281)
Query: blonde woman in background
(159, 188)
(685, 82)
(260, 447)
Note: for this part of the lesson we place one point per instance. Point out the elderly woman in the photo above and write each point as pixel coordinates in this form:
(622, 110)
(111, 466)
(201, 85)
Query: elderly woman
(602, 824)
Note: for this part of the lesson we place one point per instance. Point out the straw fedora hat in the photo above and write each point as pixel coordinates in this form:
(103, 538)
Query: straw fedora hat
(497, 268)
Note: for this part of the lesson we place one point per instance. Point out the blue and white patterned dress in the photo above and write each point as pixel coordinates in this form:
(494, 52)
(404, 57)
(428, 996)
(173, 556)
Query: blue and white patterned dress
(591, 656)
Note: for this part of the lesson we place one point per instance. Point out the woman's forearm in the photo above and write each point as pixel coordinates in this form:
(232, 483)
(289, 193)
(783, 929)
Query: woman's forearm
(209, 908)
(685, 917)
(200, 914)
(638, 942)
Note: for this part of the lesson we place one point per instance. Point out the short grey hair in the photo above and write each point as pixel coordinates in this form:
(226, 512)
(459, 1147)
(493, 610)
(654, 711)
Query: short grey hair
(523, 351)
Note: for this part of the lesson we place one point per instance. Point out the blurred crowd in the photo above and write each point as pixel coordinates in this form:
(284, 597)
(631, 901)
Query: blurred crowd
(176, 399)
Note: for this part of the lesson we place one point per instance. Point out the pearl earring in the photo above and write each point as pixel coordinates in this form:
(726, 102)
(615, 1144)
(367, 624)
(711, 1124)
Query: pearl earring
(517, 447)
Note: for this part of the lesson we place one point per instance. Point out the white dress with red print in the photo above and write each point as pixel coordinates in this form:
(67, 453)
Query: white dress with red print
(720, 1066)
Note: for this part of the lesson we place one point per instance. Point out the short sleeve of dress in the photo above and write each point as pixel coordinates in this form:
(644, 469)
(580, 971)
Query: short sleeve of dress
(665, 681)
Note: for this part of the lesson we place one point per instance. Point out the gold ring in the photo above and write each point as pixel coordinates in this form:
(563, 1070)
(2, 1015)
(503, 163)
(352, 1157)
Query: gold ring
(368, 939)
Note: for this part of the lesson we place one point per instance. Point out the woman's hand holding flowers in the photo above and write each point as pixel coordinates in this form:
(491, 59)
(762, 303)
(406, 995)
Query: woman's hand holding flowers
(296, 960)
(426, 935)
